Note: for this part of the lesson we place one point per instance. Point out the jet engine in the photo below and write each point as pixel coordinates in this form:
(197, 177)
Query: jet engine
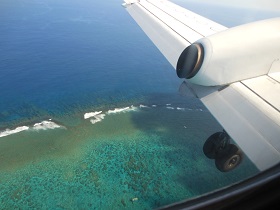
(232, 55)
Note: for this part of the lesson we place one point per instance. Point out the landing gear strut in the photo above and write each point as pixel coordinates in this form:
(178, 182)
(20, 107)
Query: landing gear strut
(227, 156)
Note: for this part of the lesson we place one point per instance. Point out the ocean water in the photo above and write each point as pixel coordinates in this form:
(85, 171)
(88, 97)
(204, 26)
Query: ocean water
(91, 116)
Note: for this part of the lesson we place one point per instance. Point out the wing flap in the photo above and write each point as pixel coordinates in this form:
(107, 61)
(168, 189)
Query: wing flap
(275, 76)
(201, 25)
(266, 88)
(252, 122)
(187, 33)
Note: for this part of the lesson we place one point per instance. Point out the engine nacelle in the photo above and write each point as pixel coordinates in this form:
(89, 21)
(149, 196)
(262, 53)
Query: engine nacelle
(232, 55)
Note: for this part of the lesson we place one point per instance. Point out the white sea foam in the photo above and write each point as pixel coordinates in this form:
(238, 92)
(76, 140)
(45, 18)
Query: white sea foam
(179, 108)
(125, 109)
(44, 125)
(98, 118)
(116, 110)
(143, 106)
(91, 114)
(170, 107)
(154, 105)
(8, 132)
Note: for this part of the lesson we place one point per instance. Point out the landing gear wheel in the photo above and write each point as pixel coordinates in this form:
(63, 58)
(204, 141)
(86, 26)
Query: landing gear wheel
(231, 160)
(216, 145)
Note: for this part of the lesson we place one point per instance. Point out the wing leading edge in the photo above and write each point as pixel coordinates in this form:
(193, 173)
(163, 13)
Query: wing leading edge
(249, 110)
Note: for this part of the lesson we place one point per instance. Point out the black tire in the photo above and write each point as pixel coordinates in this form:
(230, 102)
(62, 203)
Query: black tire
(231, 160)
(216, 145)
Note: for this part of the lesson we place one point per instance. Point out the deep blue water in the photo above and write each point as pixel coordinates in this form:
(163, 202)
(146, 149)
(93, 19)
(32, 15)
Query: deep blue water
(62, 59)
(60, 56)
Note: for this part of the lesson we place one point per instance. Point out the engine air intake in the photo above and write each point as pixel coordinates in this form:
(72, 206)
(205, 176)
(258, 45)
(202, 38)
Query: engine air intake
(190, 61)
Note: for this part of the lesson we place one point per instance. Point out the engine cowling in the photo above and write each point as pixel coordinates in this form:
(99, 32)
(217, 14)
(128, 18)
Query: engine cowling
(232, 55)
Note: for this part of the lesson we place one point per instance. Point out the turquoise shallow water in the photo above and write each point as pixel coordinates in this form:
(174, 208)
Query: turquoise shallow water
(62, 62)
(139, 159)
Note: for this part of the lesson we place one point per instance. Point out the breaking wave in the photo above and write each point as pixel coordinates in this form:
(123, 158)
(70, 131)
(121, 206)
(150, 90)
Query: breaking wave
(8, 132)
(169, 107)
(125, 109)
(44, 125)
(143, 106)
(91, 114)
(98, 118)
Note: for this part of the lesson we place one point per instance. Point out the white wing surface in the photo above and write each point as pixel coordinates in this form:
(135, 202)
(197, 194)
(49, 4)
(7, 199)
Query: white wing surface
(169, 26)
(247, 105)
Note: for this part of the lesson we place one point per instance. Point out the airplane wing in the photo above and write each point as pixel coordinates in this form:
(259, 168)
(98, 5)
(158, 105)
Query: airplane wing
(234, 72)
